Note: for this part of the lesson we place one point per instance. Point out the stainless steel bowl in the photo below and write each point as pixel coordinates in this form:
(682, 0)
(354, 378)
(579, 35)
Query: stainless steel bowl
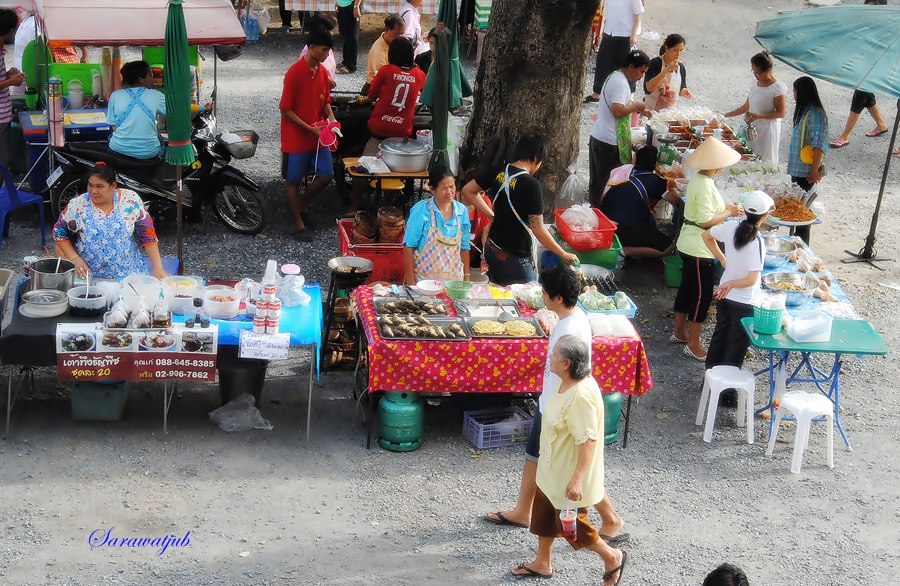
(778, 252)
(404, 155)
(357, 266)
(807, 285)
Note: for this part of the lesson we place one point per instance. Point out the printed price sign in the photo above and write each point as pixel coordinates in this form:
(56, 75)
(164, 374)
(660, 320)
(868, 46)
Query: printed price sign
(264, 346)
(89, 353)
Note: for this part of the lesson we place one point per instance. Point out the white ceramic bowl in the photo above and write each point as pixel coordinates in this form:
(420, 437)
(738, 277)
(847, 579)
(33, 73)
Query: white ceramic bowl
(222, 309)
(430, 288)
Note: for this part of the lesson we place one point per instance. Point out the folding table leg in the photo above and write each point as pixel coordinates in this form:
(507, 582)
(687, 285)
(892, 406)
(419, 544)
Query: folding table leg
(312, 365)
(627, 421)
(9, 375)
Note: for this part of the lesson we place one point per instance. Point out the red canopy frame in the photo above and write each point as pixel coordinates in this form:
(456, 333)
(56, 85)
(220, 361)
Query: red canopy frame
(104, 23)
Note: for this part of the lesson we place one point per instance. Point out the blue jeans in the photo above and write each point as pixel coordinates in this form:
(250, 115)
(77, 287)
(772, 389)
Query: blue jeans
(533, 446)
(512, 269)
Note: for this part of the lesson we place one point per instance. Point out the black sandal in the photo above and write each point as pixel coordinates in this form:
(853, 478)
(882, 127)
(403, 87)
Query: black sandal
(529, 573)
(620, 570)
(590, 99)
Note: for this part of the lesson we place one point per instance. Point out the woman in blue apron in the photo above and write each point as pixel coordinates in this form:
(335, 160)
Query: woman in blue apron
(133, 110)
(104, 230)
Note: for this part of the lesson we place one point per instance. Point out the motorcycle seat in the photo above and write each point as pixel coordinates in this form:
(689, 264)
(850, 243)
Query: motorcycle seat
(100, 151)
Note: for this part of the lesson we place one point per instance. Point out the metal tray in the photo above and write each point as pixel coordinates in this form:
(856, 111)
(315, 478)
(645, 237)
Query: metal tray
(381, 301)
(466, 307)
(539, 333)
(437, 321)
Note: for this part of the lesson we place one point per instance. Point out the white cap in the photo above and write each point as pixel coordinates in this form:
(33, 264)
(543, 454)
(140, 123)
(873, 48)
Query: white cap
(757, 202)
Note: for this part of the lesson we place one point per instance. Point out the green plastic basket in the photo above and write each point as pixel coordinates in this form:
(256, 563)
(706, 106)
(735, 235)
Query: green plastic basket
(606, 257)
(767, 321)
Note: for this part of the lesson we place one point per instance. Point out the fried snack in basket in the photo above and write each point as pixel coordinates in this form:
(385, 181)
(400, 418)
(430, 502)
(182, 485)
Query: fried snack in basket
(488, 327)
(519, 329)
(791, 209)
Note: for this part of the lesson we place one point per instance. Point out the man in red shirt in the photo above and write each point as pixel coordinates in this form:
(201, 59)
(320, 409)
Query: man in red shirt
(305, 100)
(395, 91)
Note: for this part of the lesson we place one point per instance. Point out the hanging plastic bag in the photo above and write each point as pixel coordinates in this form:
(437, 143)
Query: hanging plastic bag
(261, 13)
(456, 131)
(290, 291)
(574, 190)
(239, 414)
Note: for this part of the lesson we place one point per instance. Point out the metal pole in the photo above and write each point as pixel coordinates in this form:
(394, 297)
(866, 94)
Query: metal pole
(179, 226)
(868, 252)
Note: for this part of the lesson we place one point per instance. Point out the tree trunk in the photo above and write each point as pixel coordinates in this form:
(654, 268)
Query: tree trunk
(531, 78)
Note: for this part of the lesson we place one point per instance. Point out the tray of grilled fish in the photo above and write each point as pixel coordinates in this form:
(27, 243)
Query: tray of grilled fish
(400, 306)
(421, 327)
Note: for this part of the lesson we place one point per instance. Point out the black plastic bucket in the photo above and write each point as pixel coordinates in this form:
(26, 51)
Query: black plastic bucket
(240, 375)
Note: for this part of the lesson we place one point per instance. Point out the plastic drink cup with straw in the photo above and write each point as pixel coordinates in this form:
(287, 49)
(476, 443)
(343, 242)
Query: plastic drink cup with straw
(568, 517)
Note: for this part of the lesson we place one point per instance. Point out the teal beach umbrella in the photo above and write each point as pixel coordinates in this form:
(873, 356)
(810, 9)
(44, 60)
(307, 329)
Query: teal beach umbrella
(856, 47)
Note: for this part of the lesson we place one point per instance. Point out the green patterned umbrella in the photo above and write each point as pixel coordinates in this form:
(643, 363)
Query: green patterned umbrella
(180, 151)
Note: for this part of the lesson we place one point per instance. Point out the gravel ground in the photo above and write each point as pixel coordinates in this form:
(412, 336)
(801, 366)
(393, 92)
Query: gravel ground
(265, 508)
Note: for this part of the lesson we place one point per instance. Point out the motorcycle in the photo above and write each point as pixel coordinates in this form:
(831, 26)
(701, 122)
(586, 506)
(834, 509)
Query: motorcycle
(235, 197)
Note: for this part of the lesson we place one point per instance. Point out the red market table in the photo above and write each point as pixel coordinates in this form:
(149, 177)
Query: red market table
(485, 365)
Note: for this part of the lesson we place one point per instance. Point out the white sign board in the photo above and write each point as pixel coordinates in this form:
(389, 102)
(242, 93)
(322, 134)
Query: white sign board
(264, 346)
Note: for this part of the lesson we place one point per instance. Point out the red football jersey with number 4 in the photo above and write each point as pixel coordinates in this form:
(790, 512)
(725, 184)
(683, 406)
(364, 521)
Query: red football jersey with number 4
(397, 91)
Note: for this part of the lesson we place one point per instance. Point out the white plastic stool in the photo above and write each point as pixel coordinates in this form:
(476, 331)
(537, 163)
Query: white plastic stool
(805, 407)
(718, 379)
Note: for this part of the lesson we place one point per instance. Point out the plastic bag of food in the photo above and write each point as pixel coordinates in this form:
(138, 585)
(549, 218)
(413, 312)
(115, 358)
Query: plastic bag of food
(532, 294)
(581, 218)
(574, 191)
(239, 414)
(290, 291)
(621, 301)
(596, 301)
(548, 319)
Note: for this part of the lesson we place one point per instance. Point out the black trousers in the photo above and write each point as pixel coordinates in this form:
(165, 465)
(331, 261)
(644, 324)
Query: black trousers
(610, 56)
(602, 159)
(694, 296)
(285, 14)
(802, 231)
(350, 32)
(729, 341)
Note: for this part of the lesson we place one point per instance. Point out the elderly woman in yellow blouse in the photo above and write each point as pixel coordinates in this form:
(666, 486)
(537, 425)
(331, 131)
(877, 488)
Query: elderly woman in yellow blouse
(570, 467)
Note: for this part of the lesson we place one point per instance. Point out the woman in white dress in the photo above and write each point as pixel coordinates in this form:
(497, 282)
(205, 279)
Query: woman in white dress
(765, 108)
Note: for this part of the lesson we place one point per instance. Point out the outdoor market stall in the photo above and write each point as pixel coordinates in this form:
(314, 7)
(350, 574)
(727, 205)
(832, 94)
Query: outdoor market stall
(481, 363)
(204, 328)
(821, 320)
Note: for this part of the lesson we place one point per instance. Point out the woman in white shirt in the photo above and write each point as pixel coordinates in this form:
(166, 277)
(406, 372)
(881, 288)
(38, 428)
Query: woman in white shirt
(621, 27)
(743, 260)
(765, 108)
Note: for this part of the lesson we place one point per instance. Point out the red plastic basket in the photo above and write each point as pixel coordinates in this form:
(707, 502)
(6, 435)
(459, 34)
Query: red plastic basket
(386, 258)
(582, 241)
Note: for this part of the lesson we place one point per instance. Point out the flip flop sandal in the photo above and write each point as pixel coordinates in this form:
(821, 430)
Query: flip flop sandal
(342, 70)
(502, 520)
(688, 352)
(590, 100)
(529, 573)
(676, 340)
(615, 539)
(873, 133)
(621, 569)
(838, 143)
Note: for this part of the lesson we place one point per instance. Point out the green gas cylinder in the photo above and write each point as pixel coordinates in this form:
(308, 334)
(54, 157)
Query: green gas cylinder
(402, 419)
(612, 410)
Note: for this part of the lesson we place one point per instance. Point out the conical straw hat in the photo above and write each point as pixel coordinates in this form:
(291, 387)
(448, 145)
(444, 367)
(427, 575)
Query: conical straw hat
(712, 154)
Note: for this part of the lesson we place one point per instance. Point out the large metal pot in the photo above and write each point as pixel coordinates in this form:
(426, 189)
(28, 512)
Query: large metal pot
(45, 274)
(404, 155)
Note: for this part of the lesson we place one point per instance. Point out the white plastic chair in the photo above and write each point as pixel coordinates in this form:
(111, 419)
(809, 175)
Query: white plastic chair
(718, 379)
(805, 407)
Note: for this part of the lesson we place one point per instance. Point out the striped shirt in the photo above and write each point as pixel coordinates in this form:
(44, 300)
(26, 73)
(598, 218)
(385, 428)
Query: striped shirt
(5, 101)
(815, 135)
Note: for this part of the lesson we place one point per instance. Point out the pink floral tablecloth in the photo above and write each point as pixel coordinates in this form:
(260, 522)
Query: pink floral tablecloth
(488, 365)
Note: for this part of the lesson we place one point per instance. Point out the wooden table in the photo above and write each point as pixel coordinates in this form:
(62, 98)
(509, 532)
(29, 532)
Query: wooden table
(350, 164)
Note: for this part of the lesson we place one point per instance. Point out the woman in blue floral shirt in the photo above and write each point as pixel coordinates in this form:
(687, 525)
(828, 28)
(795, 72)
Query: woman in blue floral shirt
(809, 140)
(104, 230)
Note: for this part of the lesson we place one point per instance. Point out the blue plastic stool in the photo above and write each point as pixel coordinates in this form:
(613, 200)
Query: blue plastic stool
(12, 199)
(169, 263)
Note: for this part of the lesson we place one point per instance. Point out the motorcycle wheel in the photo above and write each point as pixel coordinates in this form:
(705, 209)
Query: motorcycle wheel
(60, 197)
(242, 210)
